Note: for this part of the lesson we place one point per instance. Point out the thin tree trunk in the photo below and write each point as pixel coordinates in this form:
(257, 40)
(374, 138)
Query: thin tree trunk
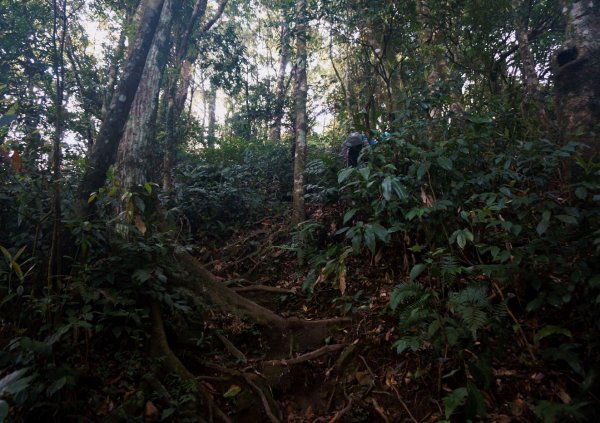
(347, 103)
(275, 133)
(103, 152)
(135, 156)
(577, 66)
(58, 43)
(298, 211)
(212, 103)
(178, 86)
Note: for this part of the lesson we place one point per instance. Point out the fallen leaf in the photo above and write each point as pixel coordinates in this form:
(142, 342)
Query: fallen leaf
(564, 397)
(139, 224)
(232, 391)
(16, 161)
(151, 413)
(342, 282)
(517, 407)
(364, 378)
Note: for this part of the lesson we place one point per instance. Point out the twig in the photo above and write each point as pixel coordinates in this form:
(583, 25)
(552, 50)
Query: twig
(343, 411)
(308, 356)
(380, 410)
(404, 405)
(512, 316)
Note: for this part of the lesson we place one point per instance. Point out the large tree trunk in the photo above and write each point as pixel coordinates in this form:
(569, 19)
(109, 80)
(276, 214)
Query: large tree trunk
(577, 70)
(136, 156)
(103, 152)
(298, 212)
(275, 133)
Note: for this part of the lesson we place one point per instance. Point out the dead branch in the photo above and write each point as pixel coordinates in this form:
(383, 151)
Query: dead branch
(306, 357)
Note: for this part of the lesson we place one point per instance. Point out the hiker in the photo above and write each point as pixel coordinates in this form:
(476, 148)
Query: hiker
(352, 147)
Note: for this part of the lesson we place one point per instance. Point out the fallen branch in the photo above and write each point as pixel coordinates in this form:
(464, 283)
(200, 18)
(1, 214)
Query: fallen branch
(306, 357)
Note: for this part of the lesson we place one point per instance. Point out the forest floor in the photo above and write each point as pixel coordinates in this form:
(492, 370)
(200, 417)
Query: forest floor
(356, 375)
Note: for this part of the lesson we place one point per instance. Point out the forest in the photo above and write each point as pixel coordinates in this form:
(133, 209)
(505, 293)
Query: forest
(300, 211)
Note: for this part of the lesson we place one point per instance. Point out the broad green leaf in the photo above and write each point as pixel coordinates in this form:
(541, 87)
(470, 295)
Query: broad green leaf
(457, 398)
(422, 170)
(551, 330)
(445, 162)
(381, 232)
(475, 406)
(569, 220)
(56, 386)
(148, 187)
(344, 174)
(399, 189)
(542, 227)
(365, 172)
(416, 271)
(369, 237)
(581, 193)
(349, 215)
(461, 240)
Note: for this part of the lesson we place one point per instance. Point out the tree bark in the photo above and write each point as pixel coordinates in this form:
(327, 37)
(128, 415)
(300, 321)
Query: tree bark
(298, 212)
(103, 152)
(136, 159)
(577, 66)
(275, 133)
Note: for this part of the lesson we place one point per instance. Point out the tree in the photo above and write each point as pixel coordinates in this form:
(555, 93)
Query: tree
(102, 154)
(301, 92)
(577, 66)
(136, 154)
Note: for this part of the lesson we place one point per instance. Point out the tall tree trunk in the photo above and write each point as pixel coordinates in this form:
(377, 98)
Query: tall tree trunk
(275, 133)
(349, 112)
(136, 154)
(178, 86)
(298, 211)
(211, 98)
(530, 76)
(58, 43)
(103, 152)
(577, 70)
(113, 72)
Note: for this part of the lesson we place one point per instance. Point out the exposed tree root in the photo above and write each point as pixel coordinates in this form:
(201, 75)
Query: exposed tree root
(172, 364)
(267, 400)
(264, 288)
(303, 333)
(306, 357)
